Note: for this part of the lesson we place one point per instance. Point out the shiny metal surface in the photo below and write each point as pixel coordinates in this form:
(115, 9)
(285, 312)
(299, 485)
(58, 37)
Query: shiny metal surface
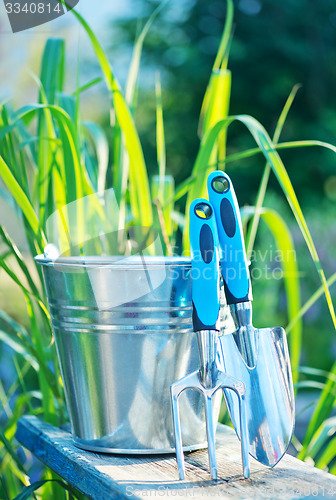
(207, 347)
(207, 381)
(260, 359)
(245, 335)
(124, 334)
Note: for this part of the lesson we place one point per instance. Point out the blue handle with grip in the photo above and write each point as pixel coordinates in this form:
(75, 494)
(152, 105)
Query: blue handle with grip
(205, 265)
(233, 261)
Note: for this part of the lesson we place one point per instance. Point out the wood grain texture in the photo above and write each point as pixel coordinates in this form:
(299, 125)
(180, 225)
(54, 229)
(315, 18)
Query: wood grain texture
(105, 477)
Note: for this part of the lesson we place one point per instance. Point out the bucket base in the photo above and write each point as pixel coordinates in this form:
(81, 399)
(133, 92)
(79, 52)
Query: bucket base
(119, 451)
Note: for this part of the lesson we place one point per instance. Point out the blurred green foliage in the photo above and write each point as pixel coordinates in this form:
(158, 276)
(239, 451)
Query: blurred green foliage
(275, 45)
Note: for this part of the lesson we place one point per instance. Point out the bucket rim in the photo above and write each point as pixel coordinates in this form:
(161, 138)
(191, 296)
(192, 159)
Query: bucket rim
(118, 261)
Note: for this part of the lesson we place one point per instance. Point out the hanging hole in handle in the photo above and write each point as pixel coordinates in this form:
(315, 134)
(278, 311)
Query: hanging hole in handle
(220, 184)
(203, 211)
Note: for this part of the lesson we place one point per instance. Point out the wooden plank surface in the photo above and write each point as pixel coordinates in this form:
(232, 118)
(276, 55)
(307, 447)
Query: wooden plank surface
(105, 477)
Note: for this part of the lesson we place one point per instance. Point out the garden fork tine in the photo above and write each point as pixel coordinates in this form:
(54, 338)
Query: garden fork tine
(206, 303)
(193, 381)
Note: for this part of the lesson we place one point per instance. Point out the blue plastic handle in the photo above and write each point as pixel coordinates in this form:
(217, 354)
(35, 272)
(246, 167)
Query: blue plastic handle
(205, 265)
(233, 261)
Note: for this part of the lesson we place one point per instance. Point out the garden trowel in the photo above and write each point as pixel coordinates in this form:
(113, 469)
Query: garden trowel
(257, 357)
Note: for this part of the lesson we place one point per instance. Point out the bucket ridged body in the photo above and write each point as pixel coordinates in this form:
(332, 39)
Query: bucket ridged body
(124, 334)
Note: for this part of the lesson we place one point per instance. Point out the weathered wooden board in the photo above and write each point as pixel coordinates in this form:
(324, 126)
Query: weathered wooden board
(105, 477)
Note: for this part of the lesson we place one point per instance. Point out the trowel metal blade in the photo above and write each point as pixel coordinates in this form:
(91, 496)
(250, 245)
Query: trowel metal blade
(269, 390)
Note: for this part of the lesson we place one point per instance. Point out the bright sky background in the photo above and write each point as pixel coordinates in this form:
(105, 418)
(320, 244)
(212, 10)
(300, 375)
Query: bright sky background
(21, 52)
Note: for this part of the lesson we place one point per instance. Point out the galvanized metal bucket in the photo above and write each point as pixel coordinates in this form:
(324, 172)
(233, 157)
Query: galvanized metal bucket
(123, 333)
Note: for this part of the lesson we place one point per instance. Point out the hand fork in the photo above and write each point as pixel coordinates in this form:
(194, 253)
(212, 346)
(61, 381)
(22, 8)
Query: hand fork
(206, 304)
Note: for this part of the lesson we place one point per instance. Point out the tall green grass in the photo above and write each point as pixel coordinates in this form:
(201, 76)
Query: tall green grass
(50, 157)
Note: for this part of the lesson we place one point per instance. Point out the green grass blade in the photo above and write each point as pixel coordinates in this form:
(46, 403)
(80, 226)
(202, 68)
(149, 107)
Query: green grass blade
(309, 384)
(310, 302)
(217, 109)
(263, 185)
(52, 69)
(10, 449)
(69, 105)
(160, 131)
(126, 123)
(316, 372)
(284, 113)
(21, 133)
(184, 186)
(19, 259)
(322, 411)
(285, 245)
(325, 432)
(5, 195)
(182, 189)
(19, 347)
(219, 92)
(327, 456)
(27, 492)
(304, 144)
(3, 489)
(277, 147)
(49, 412)
(5, 255)
(220, 62)
(72, 164)
(8, 150)
(162, 185)
(289, 264)
(222, 53)
(163, 189)
(33, 140)
(50, 84)
(101, 147)
(11, 327)
(4, 492)
(22, 201)
(136, 57)
(266, 145)
(48, 156)
(87, 86)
